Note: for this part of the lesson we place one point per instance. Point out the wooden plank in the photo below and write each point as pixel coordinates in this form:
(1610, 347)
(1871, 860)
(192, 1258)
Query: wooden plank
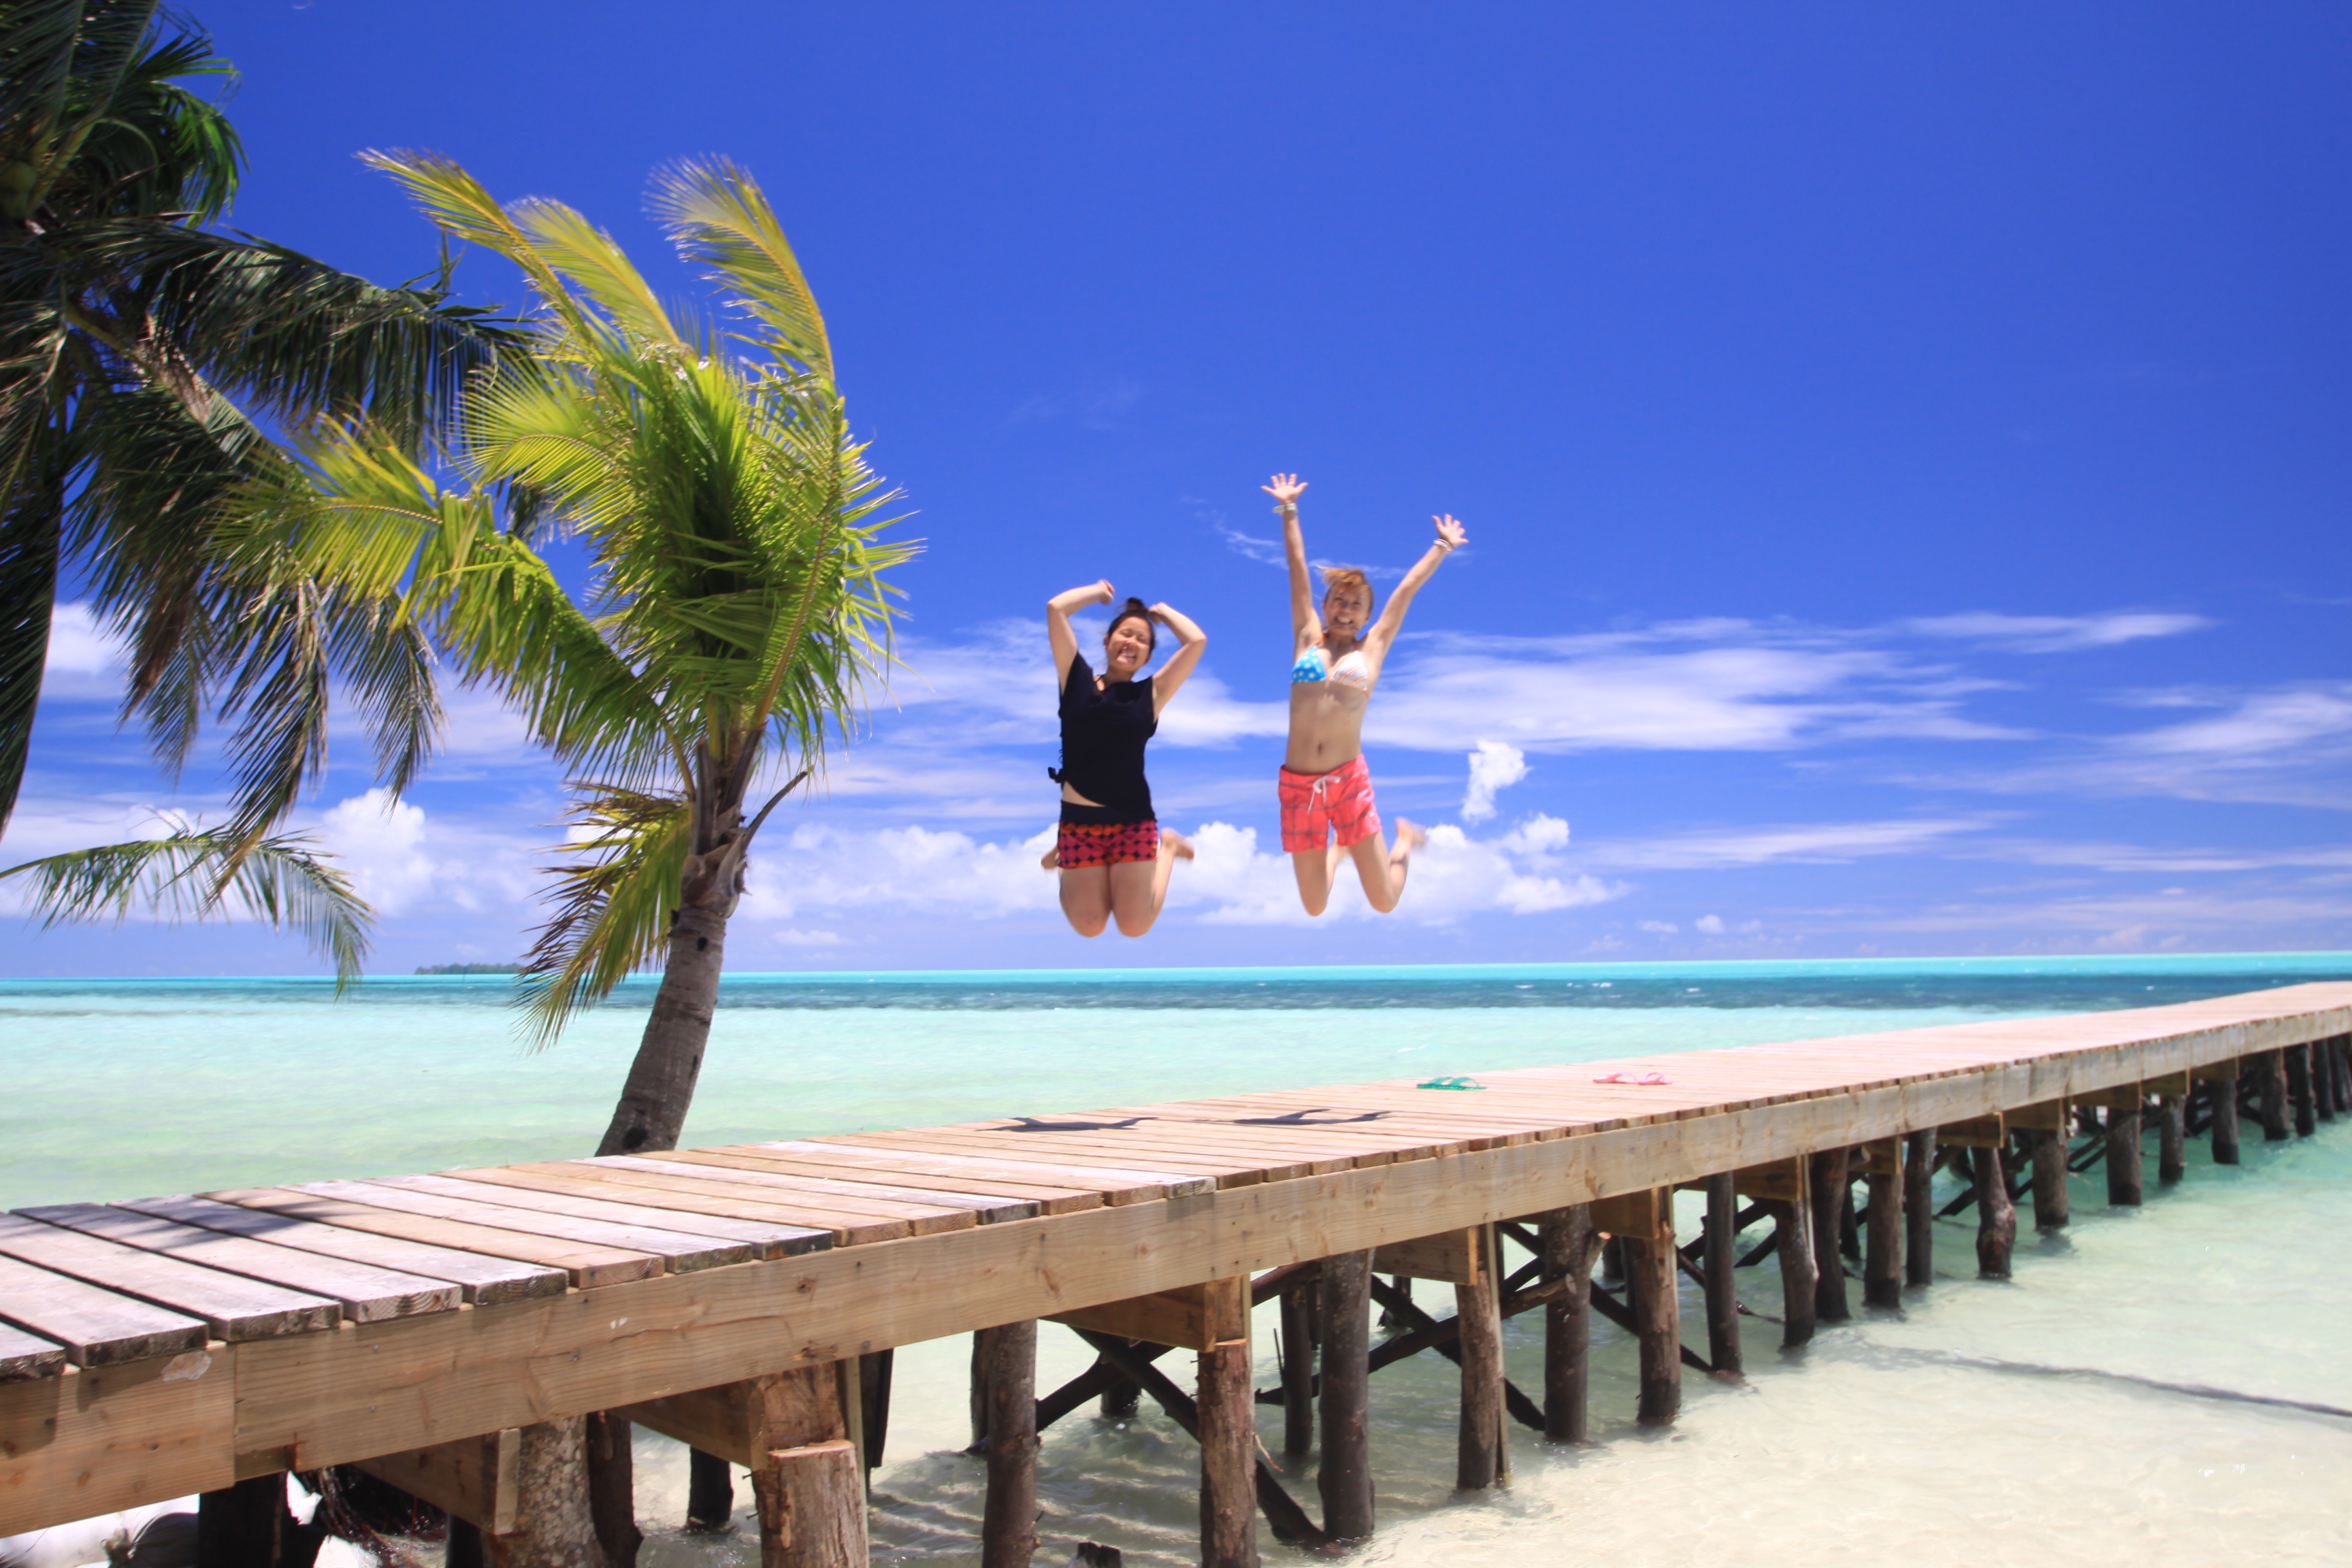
(1451, 1256)
(678, 1251)
(2166, 1083)
(587, 1265)
(24, 1355)
(1049, 1198)
(96, 1327)
(714, 1420)
(1974, 1132)
(1039, 1157)
(2050, 1116)
(1627, 1214)
(1782, 1181)
(473, 1478)
(485, 1280)
(987, 1207)
(763, 1240)
(368, 1294)
(1118, 1186)
(1879, 1157)
(2123, 1096)
(1190, 1317)
(231, 1306)
(804, 1228)
(2224, 1071)
(669, 1185)
(97, 1440)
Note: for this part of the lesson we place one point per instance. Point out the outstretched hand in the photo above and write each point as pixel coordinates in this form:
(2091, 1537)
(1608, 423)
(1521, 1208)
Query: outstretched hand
(1451, 533)
(1285, 489)
(1103, 587)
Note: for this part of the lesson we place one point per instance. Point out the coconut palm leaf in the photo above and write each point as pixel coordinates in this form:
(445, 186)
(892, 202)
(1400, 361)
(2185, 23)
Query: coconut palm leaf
(613, 897)
(190, 874)
(719, 217)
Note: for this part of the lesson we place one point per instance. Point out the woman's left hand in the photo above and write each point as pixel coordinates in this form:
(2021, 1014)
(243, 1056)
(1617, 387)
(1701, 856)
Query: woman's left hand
(1450, 533)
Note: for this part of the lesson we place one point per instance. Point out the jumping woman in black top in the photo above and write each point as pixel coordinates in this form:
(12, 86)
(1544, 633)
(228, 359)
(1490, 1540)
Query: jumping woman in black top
(1113, 856)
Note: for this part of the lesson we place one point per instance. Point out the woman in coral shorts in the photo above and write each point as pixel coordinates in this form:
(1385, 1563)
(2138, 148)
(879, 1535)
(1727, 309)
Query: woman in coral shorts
(1327, 792)
(1113, 856)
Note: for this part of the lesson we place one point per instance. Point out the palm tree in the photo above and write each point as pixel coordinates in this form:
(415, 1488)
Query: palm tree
(144, 355)
(736, 601)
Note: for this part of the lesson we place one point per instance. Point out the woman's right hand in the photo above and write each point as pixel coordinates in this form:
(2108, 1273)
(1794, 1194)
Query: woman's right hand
(1285, 489)
(1102, 587)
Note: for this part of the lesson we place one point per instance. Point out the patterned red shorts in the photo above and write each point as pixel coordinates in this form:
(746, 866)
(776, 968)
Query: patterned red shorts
(1314, 806)
(1084, 843)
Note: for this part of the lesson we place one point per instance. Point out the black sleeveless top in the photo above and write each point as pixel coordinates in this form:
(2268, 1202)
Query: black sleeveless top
(1103, 735)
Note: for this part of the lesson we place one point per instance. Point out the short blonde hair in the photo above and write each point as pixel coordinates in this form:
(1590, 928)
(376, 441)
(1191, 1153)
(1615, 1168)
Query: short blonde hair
(1347, 577)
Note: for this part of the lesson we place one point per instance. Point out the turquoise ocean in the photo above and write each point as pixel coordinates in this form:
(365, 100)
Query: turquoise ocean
(2169, 1384)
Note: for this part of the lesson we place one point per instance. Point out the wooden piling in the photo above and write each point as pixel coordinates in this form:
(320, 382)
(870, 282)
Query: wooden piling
(1655, 1273)
(2224, 1095)
(2323, 1080)
(709, 1492)
(1479, 1459)
(2298, 1090)
(874, 1369)
(1721, 1256)
(1882, 1266)
(1831, 1191)
(2124, 1173)
(1996, 1215)
(1568, 1240)
(1296, 1351)
(2171, 1139)
(611, 1489)
(2270, 1082)
(1793, 1221)
(1008, 1373)
(1228, 1407)
(1344, 1474)
(1919, 1206)
(2053, 1203)
(243, 1526)
(2339, 1051)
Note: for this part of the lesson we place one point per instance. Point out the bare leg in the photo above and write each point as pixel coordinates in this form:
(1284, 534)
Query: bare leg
(1383, 869)
(1087, 898)
(1313, 868)
(1052, 859)
(1138, 887)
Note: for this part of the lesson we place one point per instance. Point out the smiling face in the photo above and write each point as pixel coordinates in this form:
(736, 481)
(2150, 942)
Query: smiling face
(1347, 609)
(1128, 647)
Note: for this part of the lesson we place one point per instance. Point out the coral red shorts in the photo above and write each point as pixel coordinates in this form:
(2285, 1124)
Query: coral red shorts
(1093, 841)
(1317, 805)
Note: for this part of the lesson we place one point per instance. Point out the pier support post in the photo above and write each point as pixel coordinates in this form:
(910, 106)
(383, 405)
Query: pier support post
(2298, 1090)
(2339, 1051)
(1228, 1407)
(1882, 1268)
(709, 1492)
(613, 1489)
(1831, 1191)
(555, 1523)
(1919, 1206)
(1793, 1221)
(2053, 1203)
(806, 1475)
(1479, 1460)
(2124, 1186)
(2270, 1080)
(2224, 1095)
(1344, 1479)
(1655, 1272)
(2323, 1079)
(874, 1370)
(1996, 1215)
(2171, 1139)
(242, 1526)
(1297, 1362)
(1007, 1363)
(1721, 1261)
(1569, 1241)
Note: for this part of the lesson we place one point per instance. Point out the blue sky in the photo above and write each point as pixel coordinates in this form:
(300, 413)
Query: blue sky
(1903, 453)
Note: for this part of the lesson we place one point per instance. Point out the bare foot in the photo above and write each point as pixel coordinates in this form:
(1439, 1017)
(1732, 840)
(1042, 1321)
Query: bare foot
(1174, 843)
(1052, 859)
(1410, 837)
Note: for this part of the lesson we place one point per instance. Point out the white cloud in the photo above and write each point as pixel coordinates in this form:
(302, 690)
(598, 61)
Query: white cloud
(1493, 766)
(381, 842)
(2128, 858)
(2053, 634)
(1826, 843)
(2259, 726)
(1657, 928)
(1711, 924)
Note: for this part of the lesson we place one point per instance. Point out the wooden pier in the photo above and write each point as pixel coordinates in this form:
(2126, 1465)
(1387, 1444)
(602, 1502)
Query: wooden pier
(449, 1332)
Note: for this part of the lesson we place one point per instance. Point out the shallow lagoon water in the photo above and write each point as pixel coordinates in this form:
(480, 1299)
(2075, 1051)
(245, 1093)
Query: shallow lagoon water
(2019, 1422)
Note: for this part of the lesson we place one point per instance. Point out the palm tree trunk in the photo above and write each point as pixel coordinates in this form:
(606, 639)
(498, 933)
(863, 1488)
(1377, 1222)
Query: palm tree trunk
(654, 1100)
(555, 1527)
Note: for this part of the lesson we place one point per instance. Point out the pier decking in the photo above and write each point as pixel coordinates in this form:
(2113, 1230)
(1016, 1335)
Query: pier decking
(156, 1347)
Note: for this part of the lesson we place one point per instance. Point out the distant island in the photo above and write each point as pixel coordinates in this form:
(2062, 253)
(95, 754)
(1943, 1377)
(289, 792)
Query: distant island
(469, 969)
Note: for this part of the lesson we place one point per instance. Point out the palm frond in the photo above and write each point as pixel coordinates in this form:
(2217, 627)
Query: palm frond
(718, 217)
(614, 898)
(32, 513)
(194, 874)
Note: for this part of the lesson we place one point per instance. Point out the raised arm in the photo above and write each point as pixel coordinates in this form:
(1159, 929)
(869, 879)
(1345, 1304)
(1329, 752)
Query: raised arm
(1305, 624)
(1058, 631)
(1178, 669)
(1450, 536)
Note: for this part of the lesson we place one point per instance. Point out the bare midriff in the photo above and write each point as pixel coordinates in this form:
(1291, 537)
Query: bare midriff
(1327, 726)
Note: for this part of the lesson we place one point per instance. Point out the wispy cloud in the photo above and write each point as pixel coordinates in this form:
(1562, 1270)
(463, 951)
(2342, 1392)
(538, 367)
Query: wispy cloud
(1493, 766)
(2052, 633)
(1824, 842)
